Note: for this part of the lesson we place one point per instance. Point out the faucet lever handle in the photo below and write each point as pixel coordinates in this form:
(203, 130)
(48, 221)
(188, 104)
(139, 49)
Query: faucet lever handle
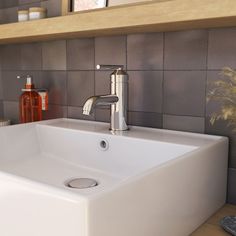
(110, 67)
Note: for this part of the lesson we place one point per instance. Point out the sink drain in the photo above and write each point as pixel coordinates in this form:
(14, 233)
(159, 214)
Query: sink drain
(81, 183)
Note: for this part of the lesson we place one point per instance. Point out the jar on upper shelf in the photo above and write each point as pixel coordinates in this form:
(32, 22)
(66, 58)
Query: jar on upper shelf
(23, 15)
(36, 13)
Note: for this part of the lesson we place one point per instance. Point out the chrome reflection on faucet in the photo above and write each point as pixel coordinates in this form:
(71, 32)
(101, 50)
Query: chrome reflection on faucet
(118, 99)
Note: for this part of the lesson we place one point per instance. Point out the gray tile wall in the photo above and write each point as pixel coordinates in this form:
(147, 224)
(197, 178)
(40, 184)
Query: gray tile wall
(169, 75)
(231, 185)
(1, 109)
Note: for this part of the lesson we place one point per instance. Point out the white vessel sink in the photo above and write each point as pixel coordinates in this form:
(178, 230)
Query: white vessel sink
(150, 182)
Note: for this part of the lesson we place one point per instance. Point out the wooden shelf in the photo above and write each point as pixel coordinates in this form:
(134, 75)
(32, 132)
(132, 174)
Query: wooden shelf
(136, 18)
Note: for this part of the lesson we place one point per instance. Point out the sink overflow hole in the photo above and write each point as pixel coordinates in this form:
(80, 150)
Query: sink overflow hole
(104, 145)
(82, 183)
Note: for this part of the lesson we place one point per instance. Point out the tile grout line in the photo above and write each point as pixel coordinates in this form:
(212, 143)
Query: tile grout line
(94, 73)
(67, 104)
(163, 79)
(206, 80)
(190, 70)
(126, 58)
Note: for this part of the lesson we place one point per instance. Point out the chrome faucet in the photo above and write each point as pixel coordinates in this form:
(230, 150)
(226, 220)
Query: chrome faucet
(118, 99)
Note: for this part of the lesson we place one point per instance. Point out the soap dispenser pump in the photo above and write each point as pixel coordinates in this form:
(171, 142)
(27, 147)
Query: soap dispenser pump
(30, 103)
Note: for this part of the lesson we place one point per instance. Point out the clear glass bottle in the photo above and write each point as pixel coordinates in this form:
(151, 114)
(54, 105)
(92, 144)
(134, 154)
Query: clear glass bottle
(30, 103)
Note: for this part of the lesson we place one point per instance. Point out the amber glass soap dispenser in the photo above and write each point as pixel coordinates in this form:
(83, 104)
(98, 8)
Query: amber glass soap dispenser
(30, 103)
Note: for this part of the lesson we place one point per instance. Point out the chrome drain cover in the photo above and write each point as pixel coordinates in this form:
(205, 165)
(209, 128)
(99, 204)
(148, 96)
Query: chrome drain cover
(81, 183)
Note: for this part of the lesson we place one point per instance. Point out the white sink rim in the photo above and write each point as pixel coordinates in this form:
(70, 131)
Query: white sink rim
(135, 133)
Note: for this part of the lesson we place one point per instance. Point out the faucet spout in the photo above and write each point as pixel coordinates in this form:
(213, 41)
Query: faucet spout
(95, 101)
(117, 99)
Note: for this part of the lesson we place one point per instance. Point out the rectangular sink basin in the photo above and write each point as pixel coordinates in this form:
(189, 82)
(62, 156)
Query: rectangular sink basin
(149, 182)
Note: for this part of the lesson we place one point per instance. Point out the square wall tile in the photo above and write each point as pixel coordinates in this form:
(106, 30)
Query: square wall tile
(232, 151)
(27, 6)
(103, 115)
(9, 15)
(54, 55)
(80, 54)
(232, 160)
(1, 87)
(54, 112)
(110, 50)
(184, 123)
(213, 106)
(9, 3)
(186, 50)
(53, 7)
(11, 59)
(56, 83)
(11, 111)
(222, 48)
(1, 109)
(77, 113)
(1, 15)
(145, 91)
(22, 2)
(80, 87)
(102, 82)
(145, 51)
(12, 86)
(184, 93)
(1, 49)
(231, 186)
(31, 56)
(146, 119)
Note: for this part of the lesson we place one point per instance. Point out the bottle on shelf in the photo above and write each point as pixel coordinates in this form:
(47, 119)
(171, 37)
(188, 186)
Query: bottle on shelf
(30, 103)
